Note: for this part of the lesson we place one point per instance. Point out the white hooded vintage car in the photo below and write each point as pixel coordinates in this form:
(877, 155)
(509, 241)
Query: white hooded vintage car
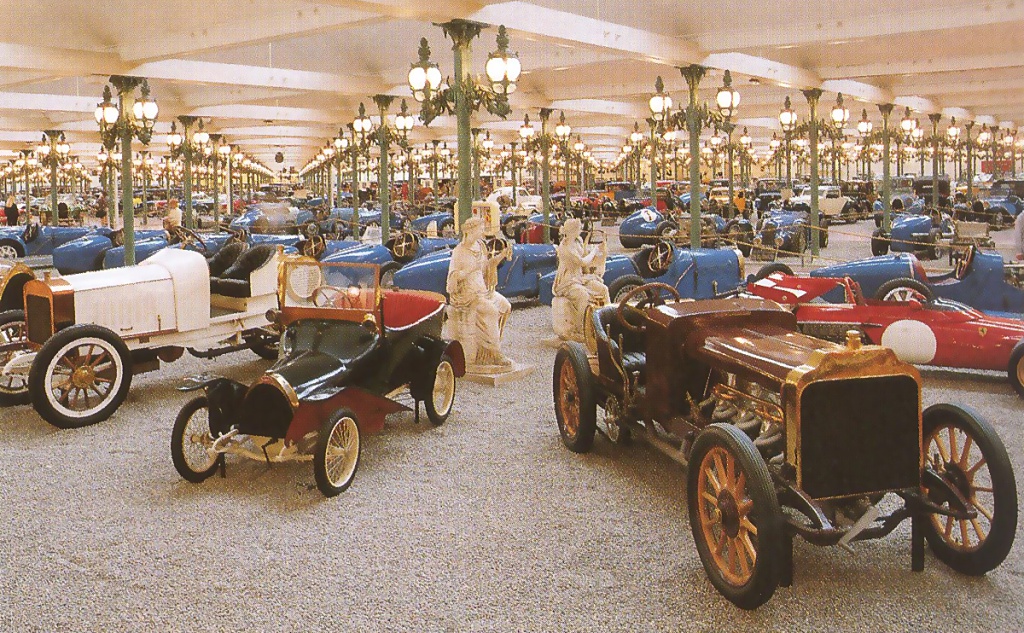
(86, 335)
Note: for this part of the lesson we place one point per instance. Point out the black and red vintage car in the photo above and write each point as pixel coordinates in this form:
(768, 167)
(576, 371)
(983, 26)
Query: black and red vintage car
(348, 347)
(785, 435)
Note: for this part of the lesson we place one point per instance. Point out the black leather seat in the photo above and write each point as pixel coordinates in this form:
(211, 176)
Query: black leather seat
(225, 258)
(609, 330)
(234, 282)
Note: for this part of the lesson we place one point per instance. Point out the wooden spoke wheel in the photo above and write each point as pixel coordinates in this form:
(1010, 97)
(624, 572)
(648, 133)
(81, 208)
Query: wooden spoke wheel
(13, 388)
(965, 451)
(575, 407)
(735, 516)
(80, 376)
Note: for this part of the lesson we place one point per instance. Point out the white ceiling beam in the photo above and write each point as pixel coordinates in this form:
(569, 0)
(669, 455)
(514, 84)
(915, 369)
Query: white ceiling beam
(858, 25)
(59, 61)
(257, 76)
(858, 90)
(765, 69)
(901, 65)
(561, 26)
(47, 102)
(279, 130)
(250, 29)
(917, 104)
(266, 113)
(602, 106)
(283, 141)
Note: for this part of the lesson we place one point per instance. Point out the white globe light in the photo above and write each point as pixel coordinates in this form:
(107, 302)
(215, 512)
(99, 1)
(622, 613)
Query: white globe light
(150, 110)
(99, 114)
(110, 114)
(495, 69)
(433, 77)
(137, 110)
(417, 78)
(513, 68)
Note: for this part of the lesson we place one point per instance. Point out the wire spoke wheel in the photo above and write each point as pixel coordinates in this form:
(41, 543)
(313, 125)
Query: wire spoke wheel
(191, 441)
(442, 393)
(968, 455)
(8, 252)
(337, 453)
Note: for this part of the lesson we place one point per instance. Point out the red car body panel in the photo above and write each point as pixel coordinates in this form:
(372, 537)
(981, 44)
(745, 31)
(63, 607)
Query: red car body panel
(941, 333)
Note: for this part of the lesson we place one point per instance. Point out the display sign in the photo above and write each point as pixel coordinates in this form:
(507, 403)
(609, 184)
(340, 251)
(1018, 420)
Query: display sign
(489, 212)
(1005, 166)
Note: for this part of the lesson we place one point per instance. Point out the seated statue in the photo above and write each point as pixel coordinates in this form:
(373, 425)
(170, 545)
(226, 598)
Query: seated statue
(578, 282)
(478, 313)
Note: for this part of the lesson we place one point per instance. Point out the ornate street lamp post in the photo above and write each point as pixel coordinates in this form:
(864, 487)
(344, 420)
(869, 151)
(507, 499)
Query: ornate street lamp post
(465, 96)
(526, 133)
(934, 118)
(185, 146)
(787, 119)
(130, 118)
(660, 105)
(728, 100)
(52, 152)
(864, 128)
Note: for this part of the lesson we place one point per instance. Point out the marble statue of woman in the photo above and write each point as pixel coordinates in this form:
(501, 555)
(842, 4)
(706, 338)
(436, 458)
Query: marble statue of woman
(578, 282)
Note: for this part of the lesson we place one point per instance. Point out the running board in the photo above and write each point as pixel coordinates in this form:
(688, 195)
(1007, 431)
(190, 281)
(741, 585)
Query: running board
(649, 435)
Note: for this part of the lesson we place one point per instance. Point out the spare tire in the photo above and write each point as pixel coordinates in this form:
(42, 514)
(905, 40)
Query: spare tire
(770, 269)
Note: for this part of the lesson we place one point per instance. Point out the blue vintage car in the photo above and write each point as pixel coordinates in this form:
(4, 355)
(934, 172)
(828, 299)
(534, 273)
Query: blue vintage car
(785, 232)
(88, 251)
(979, 279)
(367, 218)
(697, 274)
(33, 240)
(443, 221)
(518, 277)
(646, 226)
(211, 243)
(400, 250)
(271, 218)
(1003, 203)
(917, 233)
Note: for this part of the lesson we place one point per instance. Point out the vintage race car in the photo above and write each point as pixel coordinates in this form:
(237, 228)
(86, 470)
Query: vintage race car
(979, 279)
(34, 240)
(785, 435)
(88, 252)
(696, 274)
(940, 332)
(645, 226)
(1002, 204)
(784, 232)
(831, 203)
(401, 249)
(518, 275)
(347, 347)
(444, 223)
(88, 334)
(913, 233)
(270, 217)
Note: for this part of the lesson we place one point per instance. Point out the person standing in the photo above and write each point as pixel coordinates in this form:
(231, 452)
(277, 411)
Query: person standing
(11, 211)
(173, 218)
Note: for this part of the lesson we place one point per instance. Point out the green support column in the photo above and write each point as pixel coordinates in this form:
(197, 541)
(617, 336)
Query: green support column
(545, 191)
(970, 161)
(332, 204)
(693, 74)
(476, 164)
(355, 185)
(886, 110)
(383, 179)
(812, 100)
(934, 118)
(186, 177)
(462, 33)
(215, 166)
(127, 199)
(654, 162)
(51, 137)
(728, 127)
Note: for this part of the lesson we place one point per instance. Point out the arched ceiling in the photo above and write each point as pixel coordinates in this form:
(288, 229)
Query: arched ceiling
(283, 75)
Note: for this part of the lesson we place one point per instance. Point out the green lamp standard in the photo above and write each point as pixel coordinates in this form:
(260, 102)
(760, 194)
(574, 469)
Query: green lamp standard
(465, 96)
(935, 140)
(487, 145)
(636, 138)
(660, 106)
(787, 119)
(579, 147)
(384, 136)
(404, 122)
(907, 125)
(953, 139)
(129, 118)
(1007, 142)
(775, 145)
(728, 99)
(185, 147)
(563, 132)
(864, 129)
(526, 133)
(747, 144)
(226, 154)
(52, 152)
(360, 127)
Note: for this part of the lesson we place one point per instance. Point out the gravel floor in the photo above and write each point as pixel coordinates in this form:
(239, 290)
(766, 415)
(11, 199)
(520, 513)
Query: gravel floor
(484, 524)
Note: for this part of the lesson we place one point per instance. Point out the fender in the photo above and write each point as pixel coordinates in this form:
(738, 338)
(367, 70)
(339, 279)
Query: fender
(432, 351)
(223, 394)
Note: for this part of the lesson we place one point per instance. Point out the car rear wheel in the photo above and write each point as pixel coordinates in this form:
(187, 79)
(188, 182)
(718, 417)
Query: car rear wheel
(338, 448)
(13, 389)
(190, 440)
(735, 516)
(904, 289)
(623, 286)
(965, 451)
(575, 407)
(10, 250)
(80, 376)
(771, 269)
(1015, 370)
(442, 395)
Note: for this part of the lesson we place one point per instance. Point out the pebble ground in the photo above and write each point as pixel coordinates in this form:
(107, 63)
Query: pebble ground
(486, 523)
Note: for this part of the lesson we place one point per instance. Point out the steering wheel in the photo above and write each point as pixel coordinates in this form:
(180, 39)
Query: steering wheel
(311, 229)
(185, 237)
(314, 246)
(404, 245)
(31, 232)
(963, 262)
(117, 238)
(328, 296)
(239, 236)
(660, 258)
(496, 246)
(653, 298)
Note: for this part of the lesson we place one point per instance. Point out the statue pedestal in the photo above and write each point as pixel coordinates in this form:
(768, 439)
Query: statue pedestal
(497, 376)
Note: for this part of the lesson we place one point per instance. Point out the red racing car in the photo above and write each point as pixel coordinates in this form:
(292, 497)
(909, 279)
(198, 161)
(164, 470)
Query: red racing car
(939, 332)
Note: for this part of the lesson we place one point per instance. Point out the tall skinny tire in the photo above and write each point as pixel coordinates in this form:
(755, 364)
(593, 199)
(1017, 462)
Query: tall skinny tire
(575, 406)
(442, 394)
(190, 439)
(964, 449)
(80, 376)
(336, 457)
(13, 389)
(735, 516)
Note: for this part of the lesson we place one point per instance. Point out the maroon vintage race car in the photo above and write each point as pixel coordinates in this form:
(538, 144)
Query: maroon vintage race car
(939, 332)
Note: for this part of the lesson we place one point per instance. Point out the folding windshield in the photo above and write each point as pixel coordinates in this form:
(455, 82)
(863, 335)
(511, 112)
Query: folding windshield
(306, 283)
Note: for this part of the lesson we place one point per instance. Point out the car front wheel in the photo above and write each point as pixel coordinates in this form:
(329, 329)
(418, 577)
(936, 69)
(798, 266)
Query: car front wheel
(904, 289)
(80, 376)
(13, 389)
(965, 451)
(442, 395)
(190, 440)
(575, 407)
(336, 458)
(735, 516)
